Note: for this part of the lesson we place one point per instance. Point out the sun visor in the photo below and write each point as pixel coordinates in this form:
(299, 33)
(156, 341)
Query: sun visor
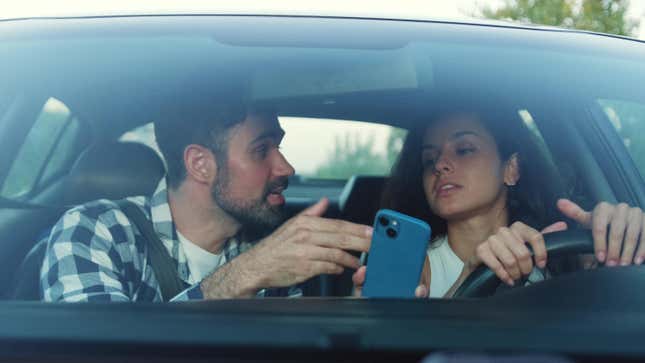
(346, 72)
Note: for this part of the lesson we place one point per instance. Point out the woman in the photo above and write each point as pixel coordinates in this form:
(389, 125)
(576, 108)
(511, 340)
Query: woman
(481, 186)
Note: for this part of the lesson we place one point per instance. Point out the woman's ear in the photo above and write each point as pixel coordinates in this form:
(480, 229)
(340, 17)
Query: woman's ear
(200, 164)
(512, 170)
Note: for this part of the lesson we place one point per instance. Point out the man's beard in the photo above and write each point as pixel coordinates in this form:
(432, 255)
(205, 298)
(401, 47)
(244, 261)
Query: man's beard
(257, 217)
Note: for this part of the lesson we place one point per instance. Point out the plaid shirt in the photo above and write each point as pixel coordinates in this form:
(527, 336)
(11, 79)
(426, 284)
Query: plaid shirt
(95, 254)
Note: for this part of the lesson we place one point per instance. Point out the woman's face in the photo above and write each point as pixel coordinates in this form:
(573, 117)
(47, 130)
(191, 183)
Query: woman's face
(463, 174)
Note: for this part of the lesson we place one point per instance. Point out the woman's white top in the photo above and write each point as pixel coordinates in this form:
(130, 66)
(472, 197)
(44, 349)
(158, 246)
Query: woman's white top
(200, 262)
(445, 267)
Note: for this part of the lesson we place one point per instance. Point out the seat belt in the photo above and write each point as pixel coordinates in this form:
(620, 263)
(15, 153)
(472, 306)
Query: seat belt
(164, 267)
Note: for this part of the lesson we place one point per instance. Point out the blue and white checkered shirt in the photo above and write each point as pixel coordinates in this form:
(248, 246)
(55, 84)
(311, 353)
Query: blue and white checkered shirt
(95, 254)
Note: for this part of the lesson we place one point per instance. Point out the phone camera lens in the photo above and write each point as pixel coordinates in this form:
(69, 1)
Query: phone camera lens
(390, 232)
(383, 221)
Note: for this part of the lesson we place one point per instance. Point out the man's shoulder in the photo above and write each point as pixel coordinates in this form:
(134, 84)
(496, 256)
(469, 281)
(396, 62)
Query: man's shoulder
(101, 208)
(102, 215)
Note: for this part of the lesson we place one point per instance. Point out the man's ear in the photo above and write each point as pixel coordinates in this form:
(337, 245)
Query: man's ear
(512, 170)
(200, 163)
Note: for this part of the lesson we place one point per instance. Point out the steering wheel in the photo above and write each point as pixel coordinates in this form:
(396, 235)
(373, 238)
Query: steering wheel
(483, 282)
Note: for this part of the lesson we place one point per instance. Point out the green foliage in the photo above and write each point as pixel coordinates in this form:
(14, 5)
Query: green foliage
(355, 156)
(350, 156)
(394, 144)
(605, 16)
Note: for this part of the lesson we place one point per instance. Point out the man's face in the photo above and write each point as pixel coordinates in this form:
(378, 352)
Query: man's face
(254, 174)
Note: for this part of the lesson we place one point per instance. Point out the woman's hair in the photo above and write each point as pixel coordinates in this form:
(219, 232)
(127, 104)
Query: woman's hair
(532, 200)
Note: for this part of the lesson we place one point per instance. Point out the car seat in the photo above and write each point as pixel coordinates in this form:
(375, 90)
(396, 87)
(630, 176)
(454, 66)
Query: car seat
(110, 170)
(358, 202)
(361, 198)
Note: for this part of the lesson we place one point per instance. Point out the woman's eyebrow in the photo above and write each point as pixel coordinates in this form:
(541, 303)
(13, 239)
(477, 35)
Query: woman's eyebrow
(454, 136)
(459, 134)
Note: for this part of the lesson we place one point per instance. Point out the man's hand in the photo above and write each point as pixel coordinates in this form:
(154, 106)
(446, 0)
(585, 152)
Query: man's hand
(615, 228)
(305, 246)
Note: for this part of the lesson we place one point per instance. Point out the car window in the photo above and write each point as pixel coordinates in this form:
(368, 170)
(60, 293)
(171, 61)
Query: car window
(339, 148)
(345, 104)
(529, 121)
(628, 118)
(48, 150)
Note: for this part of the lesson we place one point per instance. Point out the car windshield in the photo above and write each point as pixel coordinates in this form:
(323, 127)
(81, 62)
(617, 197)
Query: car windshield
(83, 102)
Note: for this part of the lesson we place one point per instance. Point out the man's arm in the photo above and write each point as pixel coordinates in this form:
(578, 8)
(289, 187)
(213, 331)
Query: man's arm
(303, 247)
(233, 280)
(81, 263)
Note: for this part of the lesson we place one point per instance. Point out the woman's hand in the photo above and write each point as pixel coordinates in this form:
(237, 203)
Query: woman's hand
(507, 254)
(358, 278)
(615, 228)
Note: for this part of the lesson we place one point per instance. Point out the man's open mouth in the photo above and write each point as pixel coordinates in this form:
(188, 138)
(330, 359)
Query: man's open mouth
(275, 196)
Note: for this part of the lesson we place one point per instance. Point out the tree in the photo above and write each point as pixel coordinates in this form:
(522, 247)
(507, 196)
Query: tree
(352, 156)
(605, 16)
(394, 144)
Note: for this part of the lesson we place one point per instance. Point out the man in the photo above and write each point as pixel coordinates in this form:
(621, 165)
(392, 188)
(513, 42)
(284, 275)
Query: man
(225, 178)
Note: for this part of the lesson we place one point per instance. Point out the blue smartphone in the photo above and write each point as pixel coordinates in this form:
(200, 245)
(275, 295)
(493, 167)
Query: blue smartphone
(396, 256)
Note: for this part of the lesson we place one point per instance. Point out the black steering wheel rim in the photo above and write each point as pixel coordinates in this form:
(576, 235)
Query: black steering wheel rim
(483, 282)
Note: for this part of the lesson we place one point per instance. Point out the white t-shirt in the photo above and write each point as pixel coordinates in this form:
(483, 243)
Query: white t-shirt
(200, 262)
(445, 267)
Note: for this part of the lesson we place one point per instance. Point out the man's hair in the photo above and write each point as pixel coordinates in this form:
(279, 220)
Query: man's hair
(209, 128)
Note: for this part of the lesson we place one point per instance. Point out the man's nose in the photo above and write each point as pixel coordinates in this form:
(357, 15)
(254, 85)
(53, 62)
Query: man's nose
(282, 166)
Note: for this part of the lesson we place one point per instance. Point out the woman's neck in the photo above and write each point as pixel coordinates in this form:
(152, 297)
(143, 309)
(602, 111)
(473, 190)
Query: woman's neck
(464, 235)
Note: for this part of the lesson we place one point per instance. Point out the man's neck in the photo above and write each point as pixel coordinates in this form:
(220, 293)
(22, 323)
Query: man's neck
(464, 235)
(199, 220)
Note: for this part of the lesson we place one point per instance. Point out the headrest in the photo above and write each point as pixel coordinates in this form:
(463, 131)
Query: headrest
(113, 170)
(361, 198)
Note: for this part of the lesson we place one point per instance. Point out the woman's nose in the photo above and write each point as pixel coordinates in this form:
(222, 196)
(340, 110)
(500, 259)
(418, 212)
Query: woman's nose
(443, 165)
